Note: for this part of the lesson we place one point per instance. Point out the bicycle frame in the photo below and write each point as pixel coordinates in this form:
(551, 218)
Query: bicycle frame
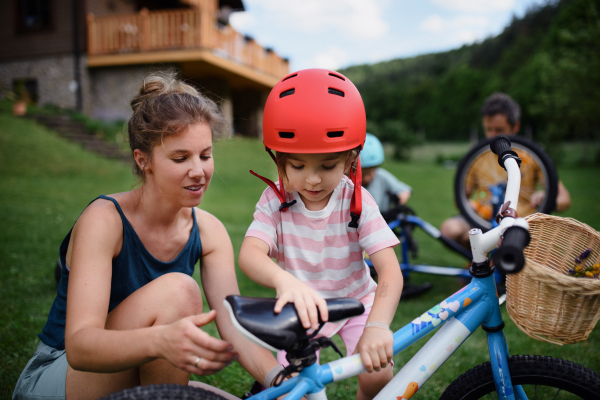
(457, 317)
(435, 233)
(405, 263)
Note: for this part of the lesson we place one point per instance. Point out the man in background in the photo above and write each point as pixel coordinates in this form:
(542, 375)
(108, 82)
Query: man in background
(500, 116)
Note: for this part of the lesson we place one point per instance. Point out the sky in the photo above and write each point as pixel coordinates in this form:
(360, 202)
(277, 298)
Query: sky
(335, 34)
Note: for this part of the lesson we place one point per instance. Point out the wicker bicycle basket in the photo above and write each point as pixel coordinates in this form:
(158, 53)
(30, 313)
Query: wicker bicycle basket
(545, 302)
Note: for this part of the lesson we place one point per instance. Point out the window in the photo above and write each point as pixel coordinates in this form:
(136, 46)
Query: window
(33, 16)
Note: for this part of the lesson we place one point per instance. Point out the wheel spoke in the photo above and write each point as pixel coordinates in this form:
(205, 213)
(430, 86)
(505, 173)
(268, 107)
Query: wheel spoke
(556, 394)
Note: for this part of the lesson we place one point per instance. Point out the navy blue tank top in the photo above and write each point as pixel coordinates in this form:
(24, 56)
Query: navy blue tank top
(131, 269)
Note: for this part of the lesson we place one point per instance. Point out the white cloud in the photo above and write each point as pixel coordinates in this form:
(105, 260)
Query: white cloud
(333, 58)
(457, 30)
(476, 5)
(435, 23)
(356, 18)
(467, 36)
(242, 21)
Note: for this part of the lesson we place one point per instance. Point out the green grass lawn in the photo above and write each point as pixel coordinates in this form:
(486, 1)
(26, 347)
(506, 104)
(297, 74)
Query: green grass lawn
(45, 183)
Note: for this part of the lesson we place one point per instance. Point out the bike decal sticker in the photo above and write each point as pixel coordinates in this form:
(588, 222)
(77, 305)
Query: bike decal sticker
(428, 359)
(505, 385)
(507, 389)
(346, 367)
(460, 290)
(454, 306)
(410, 391)
(435, 316)
(466, 302)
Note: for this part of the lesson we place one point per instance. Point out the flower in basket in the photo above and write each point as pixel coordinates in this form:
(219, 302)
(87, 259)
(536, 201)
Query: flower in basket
(581, 270)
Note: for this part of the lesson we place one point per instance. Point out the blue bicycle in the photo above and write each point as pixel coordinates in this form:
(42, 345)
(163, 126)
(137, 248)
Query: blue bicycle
(475, 305)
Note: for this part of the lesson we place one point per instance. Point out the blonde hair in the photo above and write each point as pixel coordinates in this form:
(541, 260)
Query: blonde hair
(281, 159)
(165, 106)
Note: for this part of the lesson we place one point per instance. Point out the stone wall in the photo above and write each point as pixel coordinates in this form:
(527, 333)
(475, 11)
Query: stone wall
(107, 91)
(54, 75)
(112, 89)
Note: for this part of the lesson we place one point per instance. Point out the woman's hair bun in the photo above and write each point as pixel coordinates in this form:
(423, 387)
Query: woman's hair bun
(158, 84)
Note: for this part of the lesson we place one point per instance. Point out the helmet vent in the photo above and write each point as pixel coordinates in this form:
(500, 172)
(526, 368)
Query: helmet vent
(333, 91)
(289, 77)
(287, 93)
(336, 76)
(287, 135)
(333, 134)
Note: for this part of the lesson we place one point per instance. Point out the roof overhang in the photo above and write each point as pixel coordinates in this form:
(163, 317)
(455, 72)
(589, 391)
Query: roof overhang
(195, 56)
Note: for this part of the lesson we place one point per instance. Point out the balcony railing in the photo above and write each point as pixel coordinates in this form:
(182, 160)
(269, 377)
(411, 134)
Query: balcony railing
(165, 30)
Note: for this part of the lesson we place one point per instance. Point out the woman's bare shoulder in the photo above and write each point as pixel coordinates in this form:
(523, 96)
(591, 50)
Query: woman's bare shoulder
(212, 231)
(101, 213)
(206, 219)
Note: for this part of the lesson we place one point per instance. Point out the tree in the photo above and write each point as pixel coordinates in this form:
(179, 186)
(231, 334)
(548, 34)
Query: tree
(570, 74)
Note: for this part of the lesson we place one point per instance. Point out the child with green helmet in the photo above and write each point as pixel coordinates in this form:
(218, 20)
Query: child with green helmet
(380, 183)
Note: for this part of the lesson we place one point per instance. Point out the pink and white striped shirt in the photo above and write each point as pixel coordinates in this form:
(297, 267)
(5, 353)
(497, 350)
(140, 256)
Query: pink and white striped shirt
(318, 247)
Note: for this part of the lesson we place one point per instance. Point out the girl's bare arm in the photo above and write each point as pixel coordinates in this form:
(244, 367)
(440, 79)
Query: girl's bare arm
(376, 344)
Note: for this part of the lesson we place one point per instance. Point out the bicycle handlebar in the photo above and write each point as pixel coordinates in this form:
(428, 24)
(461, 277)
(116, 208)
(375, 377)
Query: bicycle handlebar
(509, 257)
(481, 244)
(500, 146)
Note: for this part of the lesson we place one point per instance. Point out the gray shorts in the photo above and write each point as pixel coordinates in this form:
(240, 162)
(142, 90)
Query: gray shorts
(44, 377)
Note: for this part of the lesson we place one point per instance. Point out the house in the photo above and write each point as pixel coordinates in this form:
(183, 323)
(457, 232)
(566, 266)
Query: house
(91, 55)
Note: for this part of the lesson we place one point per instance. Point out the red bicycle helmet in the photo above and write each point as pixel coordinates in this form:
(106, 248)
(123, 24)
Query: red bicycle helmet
(315, 111)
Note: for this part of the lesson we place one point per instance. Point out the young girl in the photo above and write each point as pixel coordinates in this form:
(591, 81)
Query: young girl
(317, 222)
(127, 311)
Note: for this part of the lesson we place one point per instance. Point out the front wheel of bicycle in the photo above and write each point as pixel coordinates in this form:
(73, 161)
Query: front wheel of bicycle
(541, 377)
(164, 392)
(479, 178)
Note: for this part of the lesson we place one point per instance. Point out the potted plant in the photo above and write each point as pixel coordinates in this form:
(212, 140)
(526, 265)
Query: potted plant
(21, 97)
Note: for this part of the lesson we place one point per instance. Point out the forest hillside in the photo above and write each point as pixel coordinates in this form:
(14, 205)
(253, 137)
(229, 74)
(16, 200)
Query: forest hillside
(548, 61)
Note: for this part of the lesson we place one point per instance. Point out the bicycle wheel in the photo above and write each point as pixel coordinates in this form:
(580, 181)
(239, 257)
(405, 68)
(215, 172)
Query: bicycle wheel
(541, 377)
(164, 392)
(478, 174)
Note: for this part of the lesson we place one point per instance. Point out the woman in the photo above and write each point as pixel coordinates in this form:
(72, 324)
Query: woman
(127, 311)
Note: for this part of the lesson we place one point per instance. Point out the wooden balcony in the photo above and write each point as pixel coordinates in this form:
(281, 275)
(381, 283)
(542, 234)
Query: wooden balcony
(179, 36)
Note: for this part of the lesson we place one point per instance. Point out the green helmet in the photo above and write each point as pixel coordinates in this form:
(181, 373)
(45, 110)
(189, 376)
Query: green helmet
(372, 152)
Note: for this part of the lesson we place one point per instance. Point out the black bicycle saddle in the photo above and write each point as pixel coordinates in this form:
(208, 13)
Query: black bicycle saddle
(254, 318)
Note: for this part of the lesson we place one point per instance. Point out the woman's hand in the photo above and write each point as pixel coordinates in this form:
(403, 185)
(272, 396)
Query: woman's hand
(307, 302)
(376, 348)
(189, 348)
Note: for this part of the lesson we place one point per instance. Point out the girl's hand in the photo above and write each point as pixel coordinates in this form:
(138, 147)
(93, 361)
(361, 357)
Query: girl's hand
(189, 348)
(307, 302)
(376, 348)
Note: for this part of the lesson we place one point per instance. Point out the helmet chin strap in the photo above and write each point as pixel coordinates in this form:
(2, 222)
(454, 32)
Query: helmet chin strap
(355, 203)
(279, 192)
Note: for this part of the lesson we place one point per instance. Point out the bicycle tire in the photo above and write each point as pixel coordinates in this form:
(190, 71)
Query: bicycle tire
(164, 392)
(520, 145)
(546, 374)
